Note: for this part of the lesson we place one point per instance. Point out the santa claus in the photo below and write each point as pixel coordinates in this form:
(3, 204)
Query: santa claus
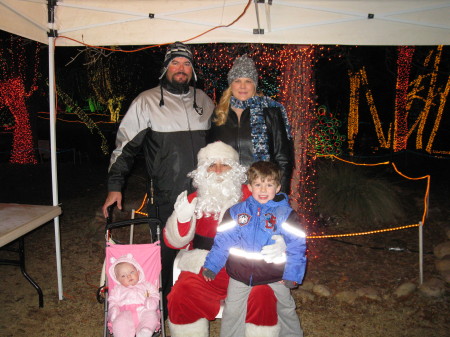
(193, 302)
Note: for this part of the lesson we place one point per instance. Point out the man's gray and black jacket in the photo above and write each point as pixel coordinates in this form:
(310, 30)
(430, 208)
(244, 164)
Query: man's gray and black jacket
(169, 135)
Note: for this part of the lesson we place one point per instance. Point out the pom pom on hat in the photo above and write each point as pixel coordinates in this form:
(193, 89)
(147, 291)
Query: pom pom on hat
(243, 67)
(217, 151)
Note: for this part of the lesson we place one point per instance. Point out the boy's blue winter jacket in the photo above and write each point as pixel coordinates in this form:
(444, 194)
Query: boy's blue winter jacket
(245, 229)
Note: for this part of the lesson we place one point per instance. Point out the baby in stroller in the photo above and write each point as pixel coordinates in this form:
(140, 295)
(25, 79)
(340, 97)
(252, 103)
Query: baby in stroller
(133, 301)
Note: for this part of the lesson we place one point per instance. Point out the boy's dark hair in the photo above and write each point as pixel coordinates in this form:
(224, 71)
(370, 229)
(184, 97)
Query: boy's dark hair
(265, 170)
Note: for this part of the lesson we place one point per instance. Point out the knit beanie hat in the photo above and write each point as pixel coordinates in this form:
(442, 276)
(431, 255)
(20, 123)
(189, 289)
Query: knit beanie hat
(243, 67)
(217, 151)
(125, 258)
(177, 49)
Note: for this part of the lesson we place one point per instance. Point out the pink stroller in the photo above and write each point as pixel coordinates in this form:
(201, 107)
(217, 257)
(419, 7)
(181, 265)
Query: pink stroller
(132, 293)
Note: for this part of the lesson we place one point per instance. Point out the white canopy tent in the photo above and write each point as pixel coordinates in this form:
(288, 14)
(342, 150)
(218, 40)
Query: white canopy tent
(146, 22)
(142, 22)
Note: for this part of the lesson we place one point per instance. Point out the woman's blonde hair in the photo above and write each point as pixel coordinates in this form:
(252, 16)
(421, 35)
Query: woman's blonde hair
(221, 111)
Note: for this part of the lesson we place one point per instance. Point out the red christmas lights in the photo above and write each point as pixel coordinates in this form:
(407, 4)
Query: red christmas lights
(13, 95)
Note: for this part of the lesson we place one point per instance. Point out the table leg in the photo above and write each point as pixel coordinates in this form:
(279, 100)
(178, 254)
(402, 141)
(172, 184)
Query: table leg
(24, 272)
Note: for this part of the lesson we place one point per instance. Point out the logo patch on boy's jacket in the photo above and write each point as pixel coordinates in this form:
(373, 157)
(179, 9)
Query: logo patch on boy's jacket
(271, 221)
(243, 219)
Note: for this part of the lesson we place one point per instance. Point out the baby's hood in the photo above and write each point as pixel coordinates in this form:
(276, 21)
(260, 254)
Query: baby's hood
(125, 258)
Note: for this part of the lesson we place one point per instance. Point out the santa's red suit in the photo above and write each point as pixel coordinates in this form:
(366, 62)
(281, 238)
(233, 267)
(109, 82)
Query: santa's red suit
(193, 301)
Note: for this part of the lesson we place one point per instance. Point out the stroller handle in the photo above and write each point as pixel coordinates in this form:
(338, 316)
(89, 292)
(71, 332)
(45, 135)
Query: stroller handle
(150, 220)
(153, 223)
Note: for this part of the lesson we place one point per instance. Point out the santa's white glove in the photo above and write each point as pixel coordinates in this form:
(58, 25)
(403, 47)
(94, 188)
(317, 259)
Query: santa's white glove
(276, 251)
(184, 208)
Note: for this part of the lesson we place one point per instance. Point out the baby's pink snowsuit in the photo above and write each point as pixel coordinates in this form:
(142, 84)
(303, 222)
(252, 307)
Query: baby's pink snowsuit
(133, 308)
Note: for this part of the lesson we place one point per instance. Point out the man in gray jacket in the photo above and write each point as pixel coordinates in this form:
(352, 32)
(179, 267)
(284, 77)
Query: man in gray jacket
(169, 124)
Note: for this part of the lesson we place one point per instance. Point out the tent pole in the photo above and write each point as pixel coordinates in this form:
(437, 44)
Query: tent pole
(420, 253)
(51, 89)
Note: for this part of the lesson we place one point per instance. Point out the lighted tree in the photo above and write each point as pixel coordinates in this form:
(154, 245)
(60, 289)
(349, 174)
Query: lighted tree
(297, 93)
(420, 102)
(107, 77)
(13, 96)
(325, 137)
(83, 116)
(404, 59)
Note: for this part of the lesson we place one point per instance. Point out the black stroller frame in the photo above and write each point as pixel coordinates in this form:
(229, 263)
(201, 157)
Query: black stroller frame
(102, 292)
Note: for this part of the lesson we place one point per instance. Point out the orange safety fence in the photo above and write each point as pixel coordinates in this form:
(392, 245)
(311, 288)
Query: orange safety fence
(425, 203)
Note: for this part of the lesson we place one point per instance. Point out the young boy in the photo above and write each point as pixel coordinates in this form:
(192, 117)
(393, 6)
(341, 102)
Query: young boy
(245, 229)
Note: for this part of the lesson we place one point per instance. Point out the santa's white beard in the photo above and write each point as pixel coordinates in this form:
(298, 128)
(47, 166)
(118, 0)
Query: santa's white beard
(216, 192)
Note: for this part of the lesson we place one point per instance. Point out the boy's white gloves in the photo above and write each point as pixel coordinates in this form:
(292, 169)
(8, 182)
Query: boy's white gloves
(184, 208)
(276, 251)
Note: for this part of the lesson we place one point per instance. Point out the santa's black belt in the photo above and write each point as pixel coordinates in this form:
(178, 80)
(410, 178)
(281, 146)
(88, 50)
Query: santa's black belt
(203, 242)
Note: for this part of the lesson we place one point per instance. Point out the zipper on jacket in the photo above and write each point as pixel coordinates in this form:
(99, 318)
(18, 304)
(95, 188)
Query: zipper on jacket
(189, 125)
(255, 232)
(238, 134)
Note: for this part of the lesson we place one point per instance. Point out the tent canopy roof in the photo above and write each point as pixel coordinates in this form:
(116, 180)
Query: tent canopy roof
(144, 22)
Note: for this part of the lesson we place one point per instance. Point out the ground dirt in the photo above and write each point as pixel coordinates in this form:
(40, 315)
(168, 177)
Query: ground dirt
(347, 263)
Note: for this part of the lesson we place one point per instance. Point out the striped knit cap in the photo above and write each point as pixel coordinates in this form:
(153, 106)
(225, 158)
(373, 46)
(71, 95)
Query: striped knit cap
(178, 49)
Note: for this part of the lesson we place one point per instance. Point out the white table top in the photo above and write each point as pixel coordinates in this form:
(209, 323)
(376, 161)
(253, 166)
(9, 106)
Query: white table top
(17, 220)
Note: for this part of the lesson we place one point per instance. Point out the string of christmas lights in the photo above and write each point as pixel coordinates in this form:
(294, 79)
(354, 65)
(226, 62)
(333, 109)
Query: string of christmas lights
(298, 95)
(325, 137)
(13, 95)
(423, 93)
(353, 113)
(100, 75)
(424, 100)
(91, 125)
(429, 100)
(443, 99)
(373, 109)
(404, 60)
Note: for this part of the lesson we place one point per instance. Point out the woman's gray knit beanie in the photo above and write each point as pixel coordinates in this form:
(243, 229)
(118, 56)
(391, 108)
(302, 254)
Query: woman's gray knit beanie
(243, 67)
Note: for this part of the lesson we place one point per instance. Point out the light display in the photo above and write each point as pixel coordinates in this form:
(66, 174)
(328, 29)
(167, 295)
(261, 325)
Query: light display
(426, 93)
(13, 95)
(353, 113)
(298, 95)
(101, 76)
(361, 81)
(84, 118)
(404, 59)
(325, 137)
